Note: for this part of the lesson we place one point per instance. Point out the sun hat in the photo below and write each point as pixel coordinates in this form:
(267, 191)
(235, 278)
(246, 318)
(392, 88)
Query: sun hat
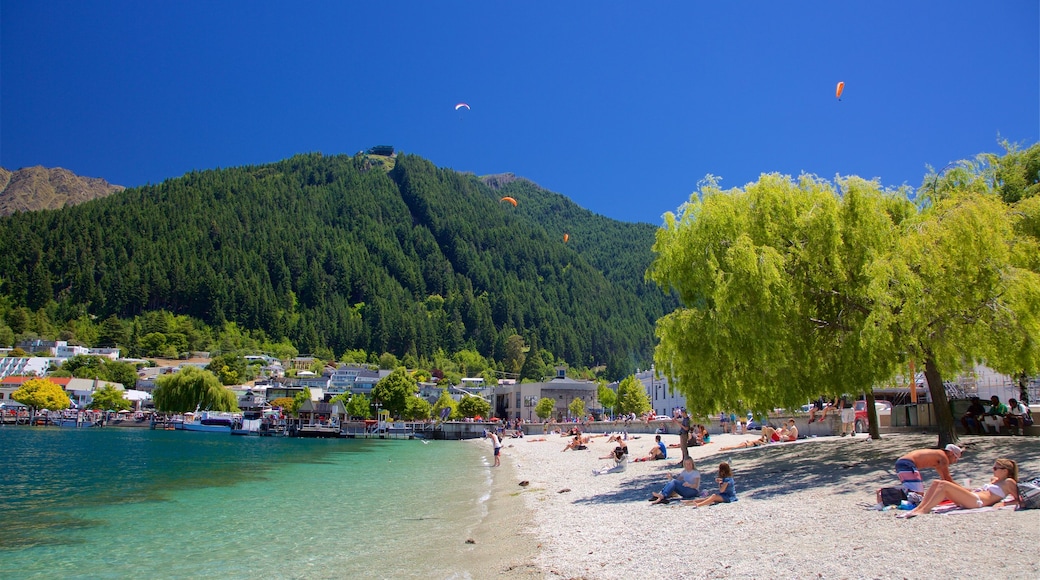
(956, 451)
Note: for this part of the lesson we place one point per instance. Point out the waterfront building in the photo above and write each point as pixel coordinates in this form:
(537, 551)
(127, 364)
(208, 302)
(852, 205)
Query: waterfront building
(517, 401)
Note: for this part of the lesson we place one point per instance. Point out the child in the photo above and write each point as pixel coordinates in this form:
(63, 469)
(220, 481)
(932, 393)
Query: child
(727, 490)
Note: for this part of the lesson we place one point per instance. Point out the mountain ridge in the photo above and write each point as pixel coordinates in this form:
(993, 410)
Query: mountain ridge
(37, 188)
(328, 251)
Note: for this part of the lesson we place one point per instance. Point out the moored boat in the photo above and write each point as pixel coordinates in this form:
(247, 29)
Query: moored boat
(210, 421)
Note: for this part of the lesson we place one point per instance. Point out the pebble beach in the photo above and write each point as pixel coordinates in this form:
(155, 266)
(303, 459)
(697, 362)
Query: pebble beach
(805, 509)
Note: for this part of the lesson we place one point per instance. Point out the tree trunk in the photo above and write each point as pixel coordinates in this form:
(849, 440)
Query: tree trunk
(1023, 389)
(872, 418)
(940, 404)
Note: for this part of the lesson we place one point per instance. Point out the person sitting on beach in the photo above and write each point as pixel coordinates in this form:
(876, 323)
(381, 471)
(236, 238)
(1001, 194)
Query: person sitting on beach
(620, 457)
(727, 489)
(579, 443)
(686, 484)
(658, 451)
(790, 433)
(994, 416)
(971, 420)
(703, 436)
(1002, 485)
(1017, 418)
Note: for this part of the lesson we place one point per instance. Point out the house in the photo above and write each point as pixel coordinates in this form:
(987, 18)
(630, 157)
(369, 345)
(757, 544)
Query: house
(322, 413)
(518, 401)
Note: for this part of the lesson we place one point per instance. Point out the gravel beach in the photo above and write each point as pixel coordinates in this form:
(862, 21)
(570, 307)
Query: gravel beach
(804, 510)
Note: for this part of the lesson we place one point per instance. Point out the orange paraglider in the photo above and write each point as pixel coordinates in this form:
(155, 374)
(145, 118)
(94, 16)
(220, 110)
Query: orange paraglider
(509, 199)
(566, 237)
(839, 90)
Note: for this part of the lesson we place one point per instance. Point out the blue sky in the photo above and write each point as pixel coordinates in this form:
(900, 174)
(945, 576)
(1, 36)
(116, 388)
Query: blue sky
(621, 106)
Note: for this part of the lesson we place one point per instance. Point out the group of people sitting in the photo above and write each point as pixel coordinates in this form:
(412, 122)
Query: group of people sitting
(1014, 416)
(787, 432)
(686, 485)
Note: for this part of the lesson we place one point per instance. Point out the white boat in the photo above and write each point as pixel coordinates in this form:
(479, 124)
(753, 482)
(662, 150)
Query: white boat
(210, 421)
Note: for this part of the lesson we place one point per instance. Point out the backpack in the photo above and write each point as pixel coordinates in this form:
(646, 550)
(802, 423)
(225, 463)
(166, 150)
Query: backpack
(892, 495)
(1029, 495)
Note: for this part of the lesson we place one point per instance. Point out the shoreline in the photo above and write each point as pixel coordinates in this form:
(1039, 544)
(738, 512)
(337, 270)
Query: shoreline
(803, 508)
(505, 543)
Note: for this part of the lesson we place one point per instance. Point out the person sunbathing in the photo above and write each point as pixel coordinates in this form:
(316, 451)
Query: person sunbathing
(579, 443)
(620, 457)
(1001, 485)
(769, 435)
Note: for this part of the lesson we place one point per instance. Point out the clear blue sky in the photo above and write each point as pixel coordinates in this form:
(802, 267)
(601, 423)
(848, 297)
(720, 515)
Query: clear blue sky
(621, 106)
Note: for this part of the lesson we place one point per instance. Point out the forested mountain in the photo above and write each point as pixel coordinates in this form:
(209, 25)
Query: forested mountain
(35, 188)
(333, 251)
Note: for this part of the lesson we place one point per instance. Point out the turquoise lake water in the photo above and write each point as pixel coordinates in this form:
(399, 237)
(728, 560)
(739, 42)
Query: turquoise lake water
(116, 503)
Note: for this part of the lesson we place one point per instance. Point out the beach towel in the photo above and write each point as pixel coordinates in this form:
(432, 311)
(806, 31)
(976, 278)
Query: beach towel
(952, 508)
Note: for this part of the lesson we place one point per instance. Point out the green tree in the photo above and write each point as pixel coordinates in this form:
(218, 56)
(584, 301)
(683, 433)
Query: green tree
(577, 408)
(192, 388)
(388, 361)
(417, 409)
(112, 333)
(109, 398)
(41, 394)
(954, 291)
(632, 397)
(121, 372)
(545, 408)
(445, 402)
(298, 400)
(359, 406)
(393, 390)
(515, 354)
(607, 397)
(231, 369)
(473, 406)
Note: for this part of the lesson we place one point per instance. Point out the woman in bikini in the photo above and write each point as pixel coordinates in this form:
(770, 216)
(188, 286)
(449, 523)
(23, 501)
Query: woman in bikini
(1003, 484)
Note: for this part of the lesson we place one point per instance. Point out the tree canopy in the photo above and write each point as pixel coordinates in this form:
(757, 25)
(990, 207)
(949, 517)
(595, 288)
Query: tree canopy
(393, 390)
(796, 288)
(192, 388)
(632, 397)
(474, 406)
(109, 398)
(42, 394)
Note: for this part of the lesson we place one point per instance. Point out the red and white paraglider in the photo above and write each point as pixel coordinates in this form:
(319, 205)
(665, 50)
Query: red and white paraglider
(839, 90)
(461, 106)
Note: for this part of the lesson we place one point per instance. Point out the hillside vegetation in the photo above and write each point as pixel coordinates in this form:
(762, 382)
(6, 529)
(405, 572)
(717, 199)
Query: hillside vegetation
(336, 253)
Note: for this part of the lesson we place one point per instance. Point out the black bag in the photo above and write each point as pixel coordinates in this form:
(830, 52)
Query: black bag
(892, 495)
(1029, 495)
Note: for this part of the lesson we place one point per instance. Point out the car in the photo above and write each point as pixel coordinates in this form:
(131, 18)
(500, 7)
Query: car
(862, 421)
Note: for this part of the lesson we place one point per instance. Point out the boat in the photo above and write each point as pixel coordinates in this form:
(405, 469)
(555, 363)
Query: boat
(210, 421)
(77, 419)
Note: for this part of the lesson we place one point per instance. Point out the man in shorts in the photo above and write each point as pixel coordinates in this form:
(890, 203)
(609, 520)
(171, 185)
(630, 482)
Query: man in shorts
(908, 466)
(498, 448)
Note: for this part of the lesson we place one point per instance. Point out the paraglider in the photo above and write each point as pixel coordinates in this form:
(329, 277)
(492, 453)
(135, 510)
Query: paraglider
(461, 105)
(839, 90)
(566, 237)
(509, 199)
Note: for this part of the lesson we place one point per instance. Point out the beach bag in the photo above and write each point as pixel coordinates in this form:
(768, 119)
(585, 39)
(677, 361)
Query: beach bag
(892, 495)
(1029, 495)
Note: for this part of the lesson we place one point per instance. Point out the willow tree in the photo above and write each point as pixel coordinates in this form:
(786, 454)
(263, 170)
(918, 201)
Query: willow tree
(955, 292)
(773, 280)
(790, 289)
(192, 388)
